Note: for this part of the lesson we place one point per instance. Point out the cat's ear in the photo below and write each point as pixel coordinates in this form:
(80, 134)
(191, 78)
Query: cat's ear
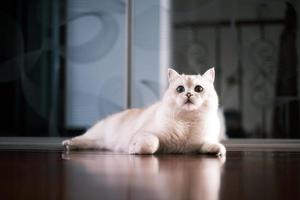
(210, 75)
(172, 74)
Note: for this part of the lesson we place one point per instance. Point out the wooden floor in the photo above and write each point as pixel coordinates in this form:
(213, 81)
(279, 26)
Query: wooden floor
(41, 174)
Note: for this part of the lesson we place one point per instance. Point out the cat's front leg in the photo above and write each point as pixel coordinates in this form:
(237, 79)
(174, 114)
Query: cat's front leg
(143, 143)
(213, 148)
(81, 142)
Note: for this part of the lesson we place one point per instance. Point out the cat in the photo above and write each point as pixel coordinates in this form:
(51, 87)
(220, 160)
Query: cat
(186, 120)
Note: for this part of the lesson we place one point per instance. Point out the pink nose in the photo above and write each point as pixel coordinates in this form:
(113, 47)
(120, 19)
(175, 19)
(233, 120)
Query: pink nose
(188, 94)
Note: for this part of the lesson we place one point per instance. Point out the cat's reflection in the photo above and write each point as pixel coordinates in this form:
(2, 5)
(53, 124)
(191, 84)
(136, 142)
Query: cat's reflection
(146, 177)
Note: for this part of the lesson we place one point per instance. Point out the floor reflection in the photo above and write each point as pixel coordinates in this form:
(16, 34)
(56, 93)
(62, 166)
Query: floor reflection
(112, 176)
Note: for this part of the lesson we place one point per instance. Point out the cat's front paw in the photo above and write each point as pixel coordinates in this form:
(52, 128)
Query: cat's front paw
(140, 148)
(135, 148)
(143, 145)
(67, 144)
(214, 148)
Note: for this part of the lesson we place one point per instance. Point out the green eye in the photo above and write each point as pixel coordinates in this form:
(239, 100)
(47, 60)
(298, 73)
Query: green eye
(180, 89)
(198, 88)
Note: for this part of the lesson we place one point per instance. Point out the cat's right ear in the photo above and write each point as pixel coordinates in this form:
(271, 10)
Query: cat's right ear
(172, 75)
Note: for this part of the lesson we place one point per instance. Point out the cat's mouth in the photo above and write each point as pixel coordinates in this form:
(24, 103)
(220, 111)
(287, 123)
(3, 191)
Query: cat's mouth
(188, 102)
(189, 105)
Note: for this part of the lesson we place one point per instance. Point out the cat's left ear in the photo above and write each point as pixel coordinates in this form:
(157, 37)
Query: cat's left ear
(209, 75)
(172, 74)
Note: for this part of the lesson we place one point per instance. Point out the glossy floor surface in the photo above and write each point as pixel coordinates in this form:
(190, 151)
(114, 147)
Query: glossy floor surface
(104, 175)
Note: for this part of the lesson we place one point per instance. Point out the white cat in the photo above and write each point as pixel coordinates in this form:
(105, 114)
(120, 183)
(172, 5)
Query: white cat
(185, 120)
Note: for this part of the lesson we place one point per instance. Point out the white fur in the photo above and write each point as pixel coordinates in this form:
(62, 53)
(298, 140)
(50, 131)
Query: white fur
(169, 126)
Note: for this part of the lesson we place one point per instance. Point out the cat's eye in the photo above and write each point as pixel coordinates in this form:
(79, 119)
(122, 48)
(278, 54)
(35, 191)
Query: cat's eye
(198, 88)
(180, 89)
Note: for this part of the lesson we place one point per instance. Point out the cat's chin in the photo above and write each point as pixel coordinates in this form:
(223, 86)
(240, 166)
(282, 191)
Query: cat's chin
(189, 107)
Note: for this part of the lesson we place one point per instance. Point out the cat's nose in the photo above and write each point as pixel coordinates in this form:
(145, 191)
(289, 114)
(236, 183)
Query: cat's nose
(188, 94)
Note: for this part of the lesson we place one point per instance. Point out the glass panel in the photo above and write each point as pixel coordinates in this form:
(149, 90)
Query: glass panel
(146, 52)
(95, 73)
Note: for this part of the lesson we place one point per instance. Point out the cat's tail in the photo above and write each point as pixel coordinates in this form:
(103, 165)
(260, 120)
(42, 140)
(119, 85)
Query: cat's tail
(222, 135)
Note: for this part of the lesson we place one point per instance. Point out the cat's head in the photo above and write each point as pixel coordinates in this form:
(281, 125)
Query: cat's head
(191, 92)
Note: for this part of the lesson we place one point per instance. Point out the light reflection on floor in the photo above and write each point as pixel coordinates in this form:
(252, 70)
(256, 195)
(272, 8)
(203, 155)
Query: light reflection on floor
(143, 177)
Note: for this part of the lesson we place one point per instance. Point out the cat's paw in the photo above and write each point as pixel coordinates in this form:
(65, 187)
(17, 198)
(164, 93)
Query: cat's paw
(67, 144)
(214, 148)
(220, 150)
(135, 148)
(143, 145)
(140, 148)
